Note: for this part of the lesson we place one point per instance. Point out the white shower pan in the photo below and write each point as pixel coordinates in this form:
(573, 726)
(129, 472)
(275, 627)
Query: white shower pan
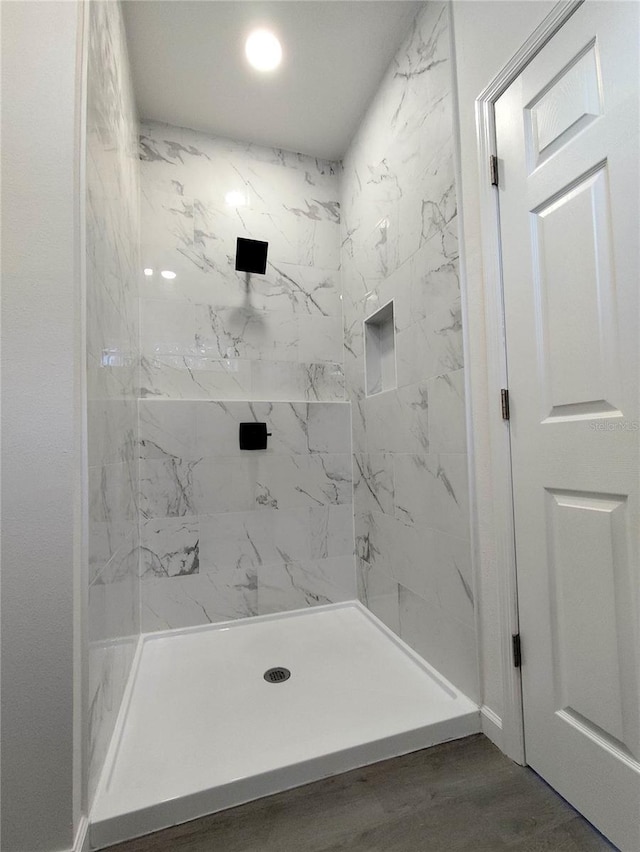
(201, 730)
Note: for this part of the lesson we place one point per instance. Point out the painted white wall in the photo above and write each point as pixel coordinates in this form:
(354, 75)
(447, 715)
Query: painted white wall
(41, 425)
(486, 35)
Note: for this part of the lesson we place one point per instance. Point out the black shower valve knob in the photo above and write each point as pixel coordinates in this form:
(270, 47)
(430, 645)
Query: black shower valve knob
(253, 436)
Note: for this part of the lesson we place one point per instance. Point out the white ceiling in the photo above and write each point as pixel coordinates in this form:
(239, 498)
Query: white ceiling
(189, 67)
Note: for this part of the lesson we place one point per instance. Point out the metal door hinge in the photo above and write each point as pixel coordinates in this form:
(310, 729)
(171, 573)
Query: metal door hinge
(517, 651)
(504, 403)
(493, 169)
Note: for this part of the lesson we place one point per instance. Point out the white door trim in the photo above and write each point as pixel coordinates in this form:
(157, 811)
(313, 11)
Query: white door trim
(500, 463)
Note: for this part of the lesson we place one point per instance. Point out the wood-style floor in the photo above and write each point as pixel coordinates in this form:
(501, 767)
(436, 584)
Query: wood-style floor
(464, 796)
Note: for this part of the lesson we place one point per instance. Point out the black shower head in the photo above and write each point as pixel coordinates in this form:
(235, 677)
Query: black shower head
(251, 256)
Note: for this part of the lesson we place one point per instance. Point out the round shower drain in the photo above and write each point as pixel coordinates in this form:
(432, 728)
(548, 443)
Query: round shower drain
(278, 675)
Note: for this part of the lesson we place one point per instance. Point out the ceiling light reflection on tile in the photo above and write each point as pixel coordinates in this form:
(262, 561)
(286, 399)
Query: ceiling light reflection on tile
(236, 199)
(148, 272)
(168, 274)
(263, 50)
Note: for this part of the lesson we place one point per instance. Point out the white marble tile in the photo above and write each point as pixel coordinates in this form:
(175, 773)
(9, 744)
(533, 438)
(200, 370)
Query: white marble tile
(435, 281)
(355, 284)
(373, 482)
(447, 415)
(112, 511)
(434, 565)
(162, 151)
(319, 242)
(398, 421)
(322, 382)
(246, 333)
(433, 490)
(444, 642)
(217, 427)
(194, 281)
(303, 289)
(290, 201)
(421, 77)
(253, 539)
(167, 328)
(226, 484)
(329, 427)
(397, 286)
(430, 347)
(169, 547)
(215, 509)
(300, 584)
(167, 429)
(182, 377)
(377, 250)
(320, 339)
(331, 531)
(399, 240)
(114, 598)
(427, 212)
(379, 593)
(169, 488)
(166, 219)
(358, 425)
(295, 183)
(109, 664)
(280, 229)
(451, 579)
(320, 479)
(198, 599)
(282, 380)
(111, 429)
(363, 523)
(113, 270)
(295, 427)
(353, 341)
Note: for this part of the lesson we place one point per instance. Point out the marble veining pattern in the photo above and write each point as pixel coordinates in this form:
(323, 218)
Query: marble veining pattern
(399, 240)
(113, 268)
(227, 533)
(214, 333)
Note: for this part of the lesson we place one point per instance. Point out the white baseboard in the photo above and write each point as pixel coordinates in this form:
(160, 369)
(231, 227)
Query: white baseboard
(491, 726)
(82, 836)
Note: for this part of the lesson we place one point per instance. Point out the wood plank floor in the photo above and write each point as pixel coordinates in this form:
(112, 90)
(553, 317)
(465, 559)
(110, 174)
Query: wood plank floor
(464, 796)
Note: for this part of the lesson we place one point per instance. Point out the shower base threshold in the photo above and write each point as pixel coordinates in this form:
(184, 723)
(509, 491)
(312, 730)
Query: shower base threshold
(202, 730)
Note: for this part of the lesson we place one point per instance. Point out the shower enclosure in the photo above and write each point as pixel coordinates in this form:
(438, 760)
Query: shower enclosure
(341, 552)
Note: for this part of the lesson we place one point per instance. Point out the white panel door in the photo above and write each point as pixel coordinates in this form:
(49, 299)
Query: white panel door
(569, 149)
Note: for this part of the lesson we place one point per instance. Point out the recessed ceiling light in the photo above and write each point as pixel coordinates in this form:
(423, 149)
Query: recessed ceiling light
(263, 50)
(166, 273)
(148, 272)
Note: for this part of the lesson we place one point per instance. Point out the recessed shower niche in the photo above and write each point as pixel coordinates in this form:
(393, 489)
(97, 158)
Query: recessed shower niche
(380, 350)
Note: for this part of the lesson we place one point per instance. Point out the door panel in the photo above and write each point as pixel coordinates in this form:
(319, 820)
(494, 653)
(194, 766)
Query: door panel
(589, 573)
(572, 267)
(564, 107)
(568, 146)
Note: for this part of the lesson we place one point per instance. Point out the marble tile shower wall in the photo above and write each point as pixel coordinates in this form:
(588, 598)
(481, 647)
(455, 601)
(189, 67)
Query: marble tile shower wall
(399, 241)
(113, 267)
(227, 533)
(211, 333)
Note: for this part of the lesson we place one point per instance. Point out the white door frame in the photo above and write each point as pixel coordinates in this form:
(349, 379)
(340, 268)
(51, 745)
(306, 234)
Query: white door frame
(500, 464)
